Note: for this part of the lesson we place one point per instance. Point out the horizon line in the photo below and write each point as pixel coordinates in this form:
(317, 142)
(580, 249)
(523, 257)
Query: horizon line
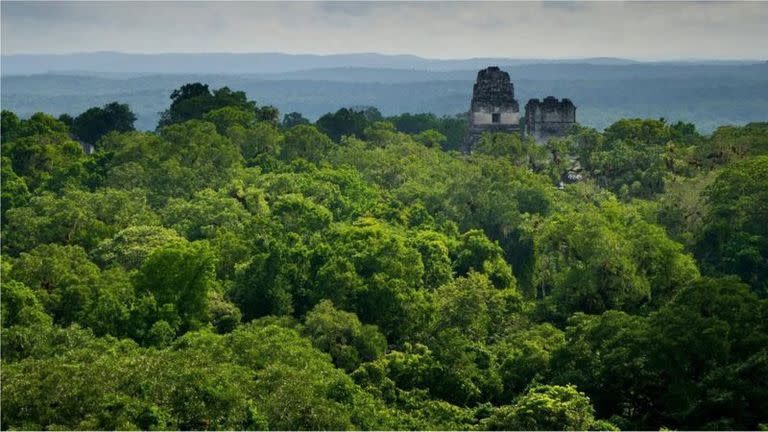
(595, 57)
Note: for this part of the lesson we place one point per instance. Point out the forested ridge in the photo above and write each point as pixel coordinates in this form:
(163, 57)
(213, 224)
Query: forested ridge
(235, 269)
(708, 95)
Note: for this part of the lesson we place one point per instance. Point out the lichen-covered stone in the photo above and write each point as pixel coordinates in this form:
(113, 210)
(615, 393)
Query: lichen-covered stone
(493, 107)
(549, 118)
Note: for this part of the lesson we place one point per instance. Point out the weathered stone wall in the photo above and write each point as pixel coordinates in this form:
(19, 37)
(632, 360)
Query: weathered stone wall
(549, 118)
(493, 93)
(486, 117)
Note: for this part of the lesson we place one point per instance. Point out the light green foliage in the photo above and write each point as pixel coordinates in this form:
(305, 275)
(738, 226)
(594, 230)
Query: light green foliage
(178, 278)
(257, 141)
(422, 125)
(307, 142)
(131, 246)
(227, 272)
(47, 160)
(342, 335)
(21, 306)
(607, 257)
(299, 214)
(382, 134)
(38, 124)
(734, 238)
(731, 143)
(60, 276)
(205, 381)
(15, 192)
(224, 315)
(468, 313)
(474, 306)
(76, 217)
(683, 206)
(633, 156)
(193, 101)
(522, 152)
(430, 138)
(209, 211)
(524, 357)
(228, 117)
(387, 275)
(476, 252)
(546, 408)
(434, 249)
(73, 290)
(183, 159)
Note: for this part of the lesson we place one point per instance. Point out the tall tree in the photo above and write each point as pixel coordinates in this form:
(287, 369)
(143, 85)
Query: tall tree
(96, 122)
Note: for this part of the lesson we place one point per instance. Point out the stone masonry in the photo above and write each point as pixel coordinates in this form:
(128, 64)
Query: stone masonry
(493, 107)
(549, 118)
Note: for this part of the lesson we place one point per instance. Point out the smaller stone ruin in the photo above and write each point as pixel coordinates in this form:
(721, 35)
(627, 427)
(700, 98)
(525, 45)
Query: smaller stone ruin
(549, 118)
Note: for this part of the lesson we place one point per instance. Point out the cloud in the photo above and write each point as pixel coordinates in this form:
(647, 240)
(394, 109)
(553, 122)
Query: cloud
(645, 30)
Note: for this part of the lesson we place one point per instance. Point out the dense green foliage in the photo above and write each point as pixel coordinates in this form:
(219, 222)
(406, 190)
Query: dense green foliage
(96, 122)
(230, 272)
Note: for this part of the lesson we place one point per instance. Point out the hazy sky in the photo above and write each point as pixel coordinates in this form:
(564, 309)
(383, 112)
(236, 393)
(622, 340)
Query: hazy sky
(641, 30)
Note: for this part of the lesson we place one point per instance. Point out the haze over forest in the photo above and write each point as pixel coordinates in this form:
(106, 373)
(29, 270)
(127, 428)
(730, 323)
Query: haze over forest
(604, 89)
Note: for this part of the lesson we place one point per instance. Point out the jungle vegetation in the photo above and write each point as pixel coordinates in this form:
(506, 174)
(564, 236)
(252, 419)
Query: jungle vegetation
(235, 269)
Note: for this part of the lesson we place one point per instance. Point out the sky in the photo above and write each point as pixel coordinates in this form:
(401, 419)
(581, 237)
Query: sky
(450, 30)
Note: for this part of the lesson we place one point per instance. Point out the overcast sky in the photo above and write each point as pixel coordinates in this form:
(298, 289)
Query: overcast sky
(639, 30)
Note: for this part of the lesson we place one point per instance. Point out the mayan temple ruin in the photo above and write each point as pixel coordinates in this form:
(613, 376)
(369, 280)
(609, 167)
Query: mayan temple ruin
(549, 118)
(495, 109)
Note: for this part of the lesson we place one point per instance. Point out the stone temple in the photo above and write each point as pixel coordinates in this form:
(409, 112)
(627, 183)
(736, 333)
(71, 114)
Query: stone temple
(495, 109)
(549, 118)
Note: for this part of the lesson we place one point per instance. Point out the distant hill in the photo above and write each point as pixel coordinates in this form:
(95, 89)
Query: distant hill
(707, 94)
(113, 62)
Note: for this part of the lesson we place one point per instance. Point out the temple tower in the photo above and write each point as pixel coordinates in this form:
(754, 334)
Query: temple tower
(493, 107)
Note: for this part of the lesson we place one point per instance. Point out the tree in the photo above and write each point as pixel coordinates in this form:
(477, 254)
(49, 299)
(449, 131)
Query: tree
(480, 254)
(10, 126)
(47, 160)
(731, 143)
(179, 279)
(82, 218)
(192, 101)
(430, 138)
(21, 306)
(61, 277)
(522, 152)
(347, 122)
(305, 141)
(257, 141)
(382, 134)
(293, 119)
(131, 246)
(547, 408)
(606, 258)
(15, 192)
(342, 335)
(734, 238)
(525, 356)
(229, 116)
(96, 122)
